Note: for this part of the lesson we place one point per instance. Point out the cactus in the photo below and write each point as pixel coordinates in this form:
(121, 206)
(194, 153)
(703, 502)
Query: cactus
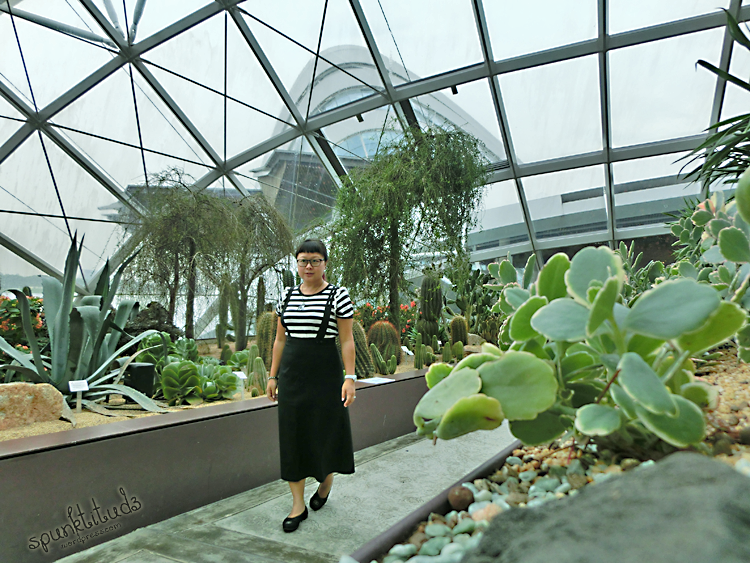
(221, 328)
(258, 377)
(261, 298)
(381, 366)
(266, 334)
(431, 298)
(458, 350)
(447, 354)
(252, 352)
(363, 366)
(226, 353)
(428, 329)
(459, 330)
(435, 344)
(419, 353)
(383, 334)
(287, 278)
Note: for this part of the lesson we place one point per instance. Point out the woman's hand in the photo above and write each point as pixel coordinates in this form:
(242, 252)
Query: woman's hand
(347, 392)
(271, 390)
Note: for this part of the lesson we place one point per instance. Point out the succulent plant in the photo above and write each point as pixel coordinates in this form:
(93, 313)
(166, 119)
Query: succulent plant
(187, 349)
(381, 366)
(386, 339)
(266, 334)
(363, 366)
(180, 381)
(431, 298)
(459, 330)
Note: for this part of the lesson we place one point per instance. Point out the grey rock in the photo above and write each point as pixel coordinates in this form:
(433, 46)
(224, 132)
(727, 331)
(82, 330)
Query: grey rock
(433, 546)
(687, 508)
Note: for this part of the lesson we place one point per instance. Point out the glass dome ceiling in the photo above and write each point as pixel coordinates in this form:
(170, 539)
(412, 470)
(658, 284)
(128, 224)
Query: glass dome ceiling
(583, 107)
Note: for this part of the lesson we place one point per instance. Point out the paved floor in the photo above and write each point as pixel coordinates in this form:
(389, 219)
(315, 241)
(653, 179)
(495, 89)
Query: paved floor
(391, 480)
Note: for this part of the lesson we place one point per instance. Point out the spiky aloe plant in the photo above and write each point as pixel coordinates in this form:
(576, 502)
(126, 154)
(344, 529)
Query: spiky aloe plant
(83, 334)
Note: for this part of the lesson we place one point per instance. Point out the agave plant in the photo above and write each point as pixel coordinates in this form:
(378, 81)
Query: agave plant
(83, 336)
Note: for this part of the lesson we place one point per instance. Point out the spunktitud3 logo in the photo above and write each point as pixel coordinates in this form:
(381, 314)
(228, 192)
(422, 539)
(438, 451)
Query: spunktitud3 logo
(85, 526)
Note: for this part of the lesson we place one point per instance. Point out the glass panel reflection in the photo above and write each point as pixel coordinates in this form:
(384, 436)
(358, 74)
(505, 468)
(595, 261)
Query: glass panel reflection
(471, 110)
(567, 203)
(356, 143)
(500, 219)
(555, 22)
(648, 188)
(424, 37)
(656, 90)
(735, 98)
(625, 15)
(17, 273)
(553, 110)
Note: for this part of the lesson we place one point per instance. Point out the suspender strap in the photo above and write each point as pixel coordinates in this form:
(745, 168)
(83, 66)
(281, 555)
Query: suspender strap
(327, 315)
(286, 302)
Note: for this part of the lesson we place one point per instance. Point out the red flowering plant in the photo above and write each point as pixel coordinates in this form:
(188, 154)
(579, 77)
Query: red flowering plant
(368, 314)
(410, 314)
(11, 326)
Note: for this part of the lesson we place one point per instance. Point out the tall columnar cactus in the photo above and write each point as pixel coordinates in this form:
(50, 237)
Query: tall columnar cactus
(265, 335)
(287, 278)
(419, 352)
(260, 307)
(431, 298)
(434, 344)
(363, 366)
(383, 334)
(221, 328)
(252, 352)
(258, 377)
(447, 354)
(381, 366)
(458, 350)
(226, 353)
(459, 330)
(428, 329)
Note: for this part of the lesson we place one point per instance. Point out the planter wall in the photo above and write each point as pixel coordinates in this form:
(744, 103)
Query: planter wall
(400, 532)
(65, 492)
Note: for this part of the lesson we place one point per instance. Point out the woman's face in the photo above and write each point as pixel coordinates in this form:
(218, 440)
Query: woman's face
(311, 266)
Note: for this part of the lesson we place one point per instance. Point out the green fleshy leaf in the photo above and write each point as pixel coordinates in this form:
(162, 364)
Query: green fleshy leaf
(551, 280)
(687, 270)
(593, 264)
(643, 345)
(524, 384)
(520, 323)
(475, 412)
(585, 392)
(623, 400)
(597, 420)
(721, 325)
(644, 385)
(542, 430)
(572, 365)
(437, 373)
(473, 361)
(562, 319)
(528, 271)
(507, 272)
(734, 245)
(705, 396)
(535, 347)
(460, 383)
(682, 430)
(516, 296)
(701, 217)
(601, 310)
(712, 256)
(672, 308)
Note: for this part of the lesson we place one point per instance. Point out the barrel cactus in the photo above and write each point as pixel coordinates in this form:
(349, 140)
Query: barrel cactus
(266, 334)
(459, 330)
(383, 334)
(363, 366)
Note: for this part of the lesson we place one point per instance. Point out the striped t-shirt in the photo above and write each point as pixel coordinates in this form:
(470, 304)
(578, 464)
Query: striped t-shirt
(304, 313)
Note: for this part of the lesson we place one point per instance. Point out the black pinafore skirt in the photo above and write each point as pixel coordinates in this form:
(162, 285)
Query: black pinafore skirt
(315, 436)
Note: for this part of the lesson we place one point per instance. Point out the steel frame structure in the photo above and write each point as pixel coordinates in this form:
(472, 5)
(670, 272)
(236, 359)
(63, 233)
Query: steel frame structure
(127, 52)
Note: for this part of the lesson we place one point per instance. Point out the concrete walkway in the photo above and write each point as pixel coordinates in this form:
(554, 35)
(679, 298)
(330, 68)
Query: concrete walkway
(392, 479)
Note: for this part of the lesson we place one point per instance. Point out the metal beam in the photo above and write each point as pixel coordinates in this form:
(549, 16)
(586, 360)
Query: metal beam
(609, 200)
(60, 27)
(15, 140)
(372, 46)
(35, 261)
(502, 118)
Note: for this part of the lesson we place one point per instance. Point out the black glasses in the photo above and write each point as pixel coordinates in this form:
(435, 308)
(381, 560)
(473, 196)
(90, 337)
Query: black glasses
(315, 262)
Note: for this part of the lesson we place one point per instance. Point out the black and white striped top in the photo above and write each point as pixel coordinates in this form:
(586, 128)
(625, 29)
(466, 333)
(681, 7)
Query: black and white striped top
(304, 313)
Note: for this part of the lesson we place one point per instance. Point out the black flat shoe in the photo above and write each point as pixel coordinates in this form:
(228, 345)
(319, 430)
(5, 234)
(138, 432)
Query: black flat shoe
(316, 502)
(291, 524)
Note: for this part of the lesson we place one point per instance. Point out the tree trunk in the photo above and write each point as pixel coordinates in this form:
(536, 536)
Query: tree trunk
(173, 288)
(240, 329)
(190, 305)
(393, 275)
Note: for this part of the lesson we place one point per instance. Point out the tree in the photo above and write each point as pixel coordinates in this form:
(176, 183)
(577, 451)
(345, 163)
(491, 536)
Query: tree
(254, 238)
(419, 195)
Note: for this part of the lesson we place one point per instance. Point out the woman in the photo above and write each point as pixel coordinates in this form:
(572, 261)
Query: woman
(306, 378)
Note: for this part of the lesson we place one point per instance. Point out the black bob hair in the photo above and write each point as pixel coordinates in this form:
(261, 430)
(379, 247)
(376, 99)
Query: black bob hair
(310, 246)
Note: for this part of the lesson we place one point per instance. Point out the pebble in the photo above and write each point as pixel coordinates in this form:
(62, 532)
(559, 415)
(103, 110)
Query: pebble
(437, 530)
(575, 467)
(564, 488)
(527, 475)
(537, 502)
(745, 435)
(513, 460)
(471, 487)
(647, 463)
(743, 466)
(487, 513)
(482, 496)
(433, 546)
(600, 477)
(629, 463)
(473, 507)
(481, 485)
(465, 526)
(500, 501)
(739, 406)
(732, 420)
(452, 548)
(547, 483)
(403, 550)
(393, 559)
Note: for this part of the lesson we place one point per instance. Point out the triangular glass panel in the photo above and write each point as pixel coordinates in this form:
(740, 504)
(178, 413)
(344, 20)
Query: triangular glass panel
(159, 15)
(735, 98)
(72, 15)
(448, 42)
(500, 221)
(8, 127)
(555, 24)
(656, 90)
(547, 123)
(567, 203)
(254, 177)
(356, 143)
(55, 62)
(17, 272)
(470, 109)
